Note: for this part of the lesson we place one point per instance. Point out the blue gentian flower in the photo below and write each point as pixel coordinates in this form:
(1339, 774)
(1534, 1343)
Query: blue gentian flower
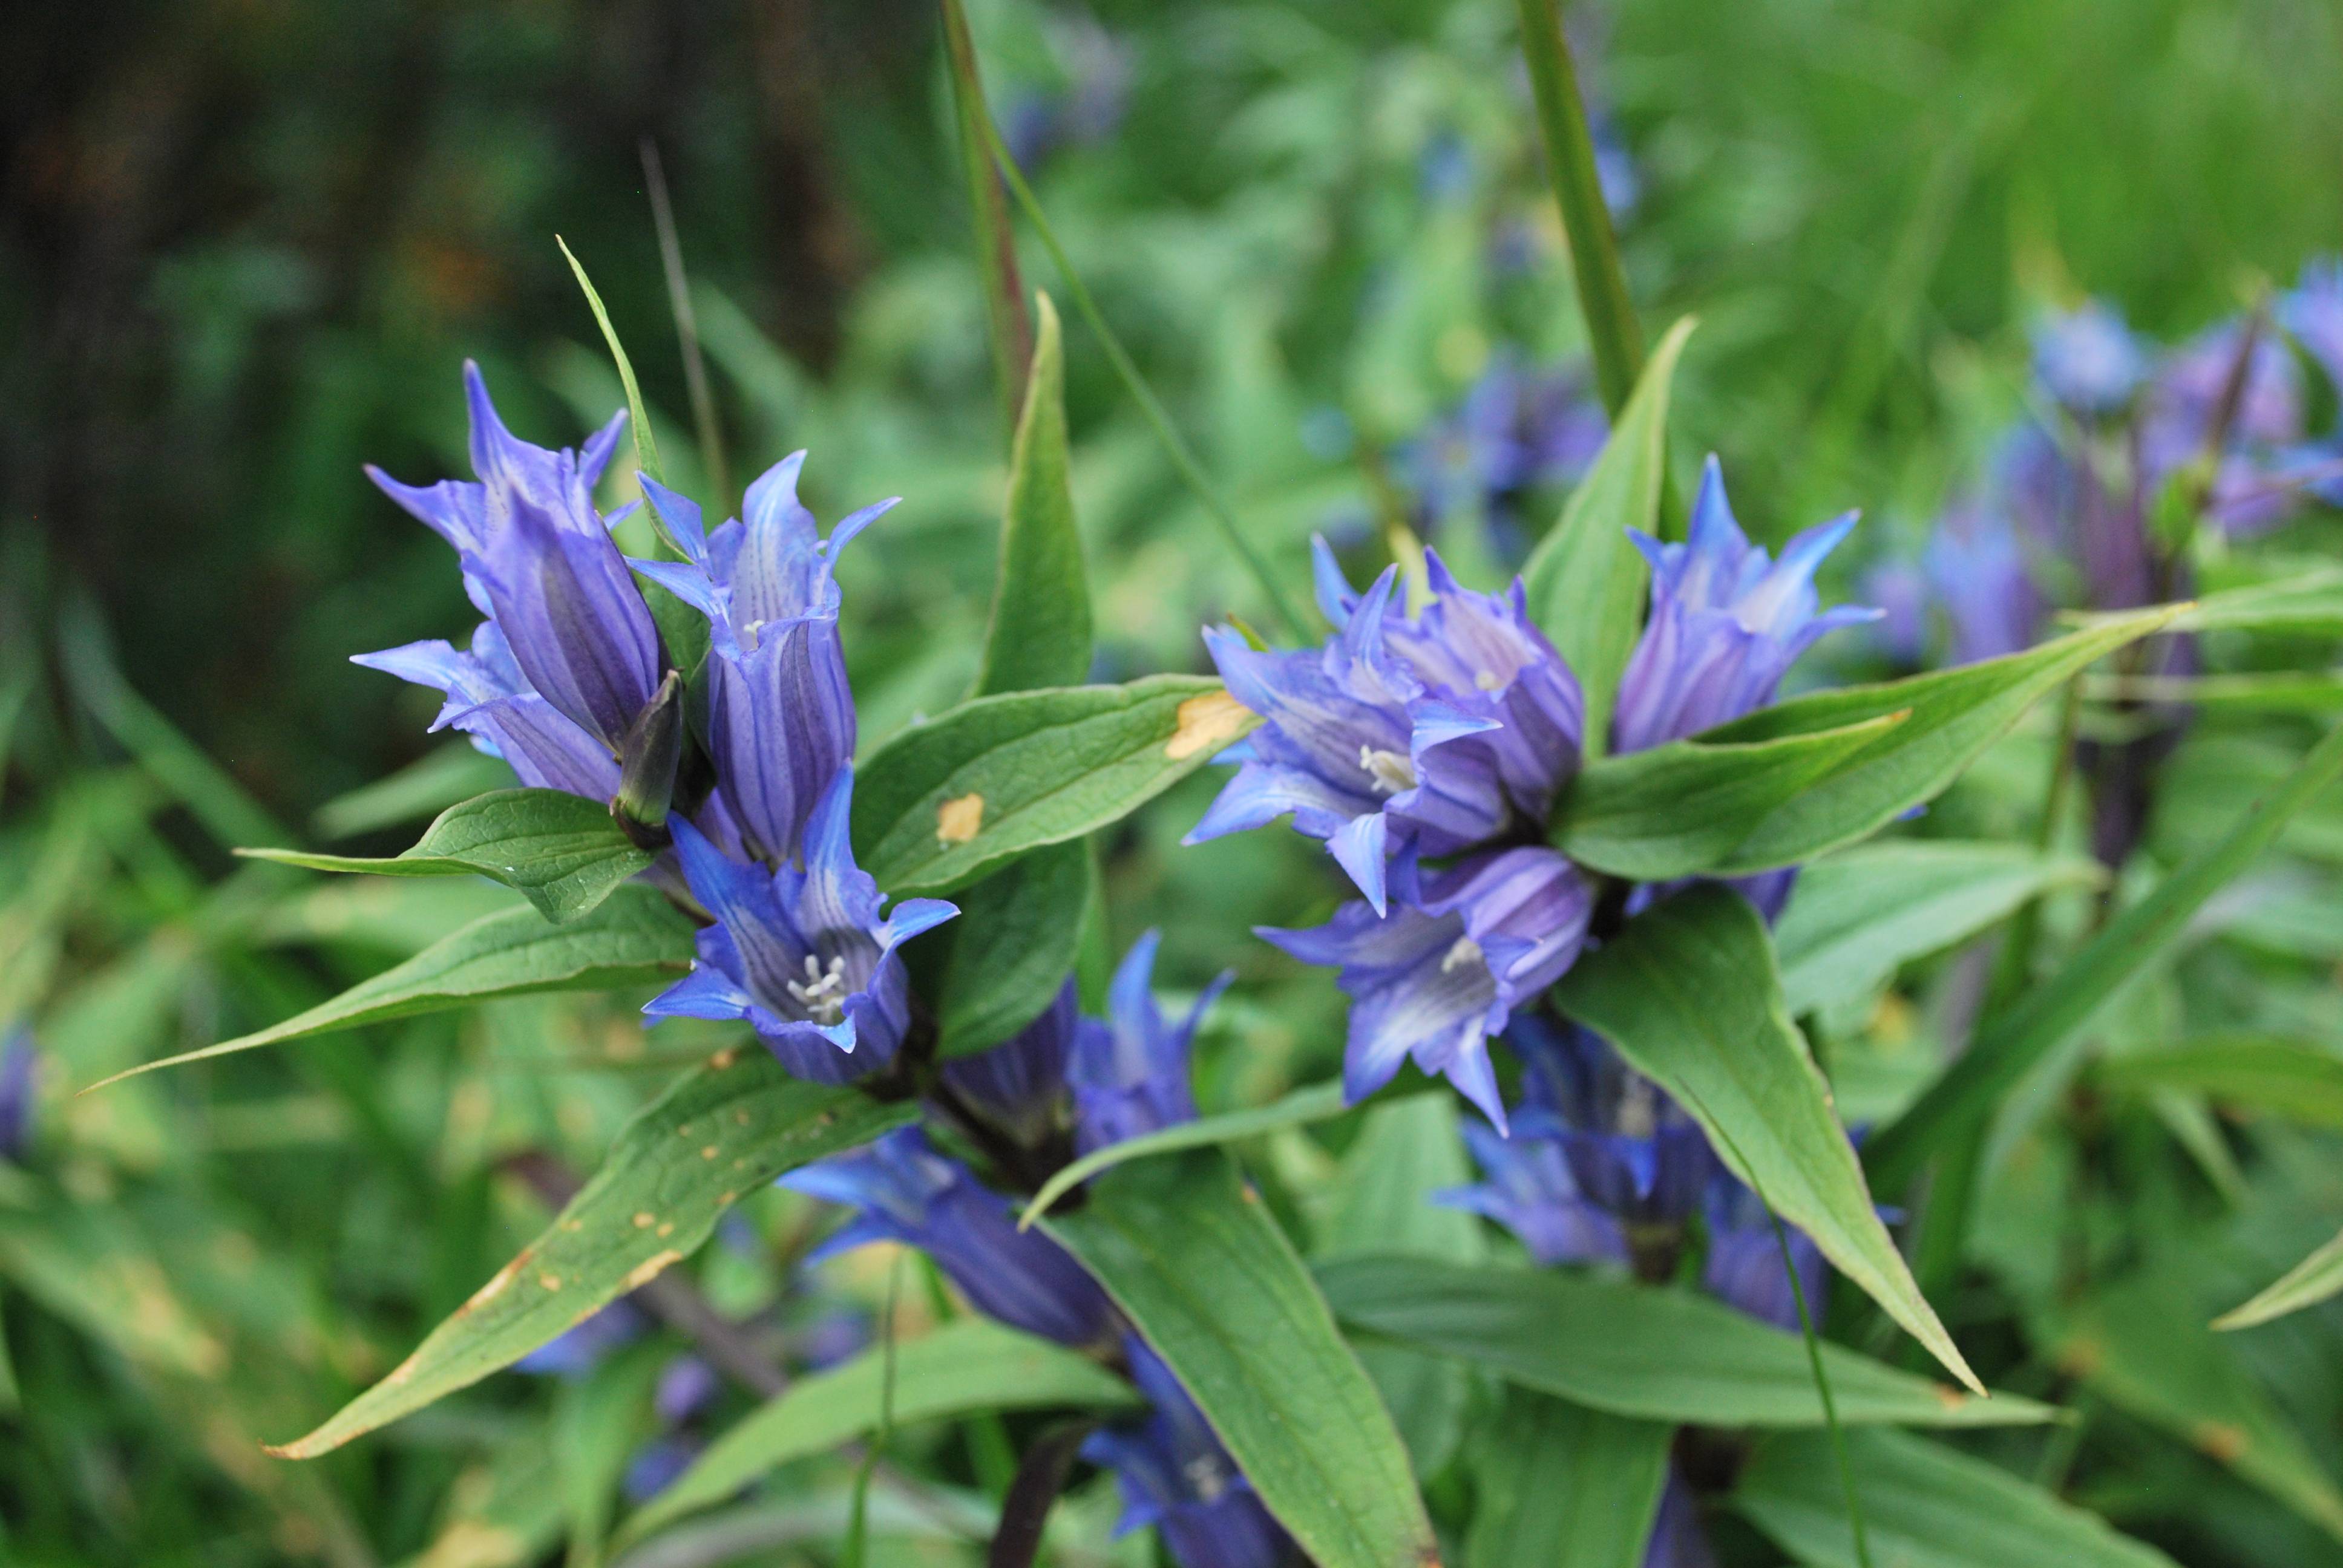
(1514, 432)
(1020, 1085)
(1402, 736)
(907, 1191)
(1744, 1266)
(1175, 1475)
(2250, 490)
(581, 1347)
(539, 559)
(803, 955)
(780, 716)
(1130, 1073)
(19, 1064)
(2088, 359)
(1726, 622)
(1438, 974)
(492, 702)
(1979, 573)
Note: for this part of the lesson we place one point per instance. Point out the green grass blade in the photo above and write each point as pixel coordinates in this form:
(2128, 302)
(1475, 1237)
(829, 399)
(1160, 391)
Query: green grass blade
(647, 456)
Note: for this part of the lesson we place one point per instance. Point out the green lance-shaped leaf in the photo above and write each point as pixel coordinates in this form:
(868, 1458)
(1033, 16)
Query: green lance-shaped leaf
(2142, 1345)
(2059, 1008)
(2312, 1280)
(1678, 810)
(968, 1365)
(635, 936)
(1689, 994)
(562, 852)
(1017, 935)
(1649, 1351)
(1040, 629)
(1299, 1109)
(1860, 915)
(725, 1129)
(2292, 1079)
(945, 801)
(1954, 714)
(1192, 1258)
(1556, 1482)
(638, 419)
(1585, 582)
(1924, 1507)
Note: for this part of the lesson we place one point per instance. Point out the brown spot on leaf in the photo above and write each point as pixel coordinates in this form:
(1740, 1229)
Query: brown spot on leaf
(550, 1281)
(709, 1151)
(645, 1221)
(494, 1288)
(958, 819)
(1948, 1396)
(724, 1058)
(666, 1230)
(1207, 723)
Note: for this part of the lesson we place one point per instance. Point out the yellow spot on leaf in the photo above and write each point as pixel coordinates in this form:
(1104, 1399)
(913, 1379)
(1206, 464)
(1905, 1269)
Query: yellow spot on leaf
(645, 1221)
(1207, 723)
(956, 821)
(666, 1230)
(550, 1281)
(1948, 1396)
(709, 1153)
(648, 1269)
(495, 1285)
(724, 1058)
(2219, 1441)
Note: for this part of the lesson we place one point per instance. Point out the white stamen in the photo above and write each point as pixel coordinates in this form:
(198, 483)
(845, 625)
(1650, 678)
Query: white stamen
(1465, 950)
(1207, 1475)
(823, 993)
(748, 638)
(1488, 680)
(1639, 1107)
(1391, 771)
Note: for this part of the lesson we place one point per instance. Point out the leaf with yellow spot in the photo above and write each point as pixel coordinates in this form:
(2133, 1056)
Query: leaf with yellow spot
(946, 801)
(655, 1199)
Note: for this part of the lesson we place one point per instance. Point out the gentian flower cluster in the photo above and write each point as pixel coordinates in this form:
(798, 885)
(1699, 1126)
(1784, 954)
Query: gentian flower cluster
(1105, 1079)
(2066, 514)
(1426, 749)
(568, 676)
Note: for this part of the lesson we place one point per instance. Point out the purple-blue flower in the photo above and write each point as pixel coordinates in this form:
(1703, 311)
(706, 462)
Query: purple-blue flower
(492, 702)
(803, 955)
(906, 1192)
(1130, 1073)
(19, 1075)
(780, 716)
(1401, 737)
(1726, 622)
(1020, 1085)
(2313, 311)
(582, 1346)
(1175, 1475)
(1513, 431)
(539, 559)
(1436, 976)
(2088, 359)
(1978, 570)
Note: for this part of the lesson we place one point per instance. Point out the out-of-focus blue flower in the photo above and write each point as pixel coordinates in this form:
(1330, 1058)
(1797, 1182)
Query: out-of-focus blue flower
(1437, 975)
(1726, 622)
(2313, 311)
(1402, 736)
(2183, 407)
(1514, 432)
(686, 1387)
(803, 955)
(581, 1348)
(1175, 1475)
(1020, 1085)
(2088, 359)
(1038, 122)
(1979, 572)
(539, 560)
(906, 1192)
(1744, 1266)
(780, 715)
(19, 1083)
(489, 700)
(1130, 1073)
(1677, 1539)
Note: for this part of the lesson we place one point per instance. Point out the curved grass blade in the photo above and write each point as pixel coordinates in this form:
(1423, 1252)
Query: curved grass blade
(635, 937)
(562, 852)
(647, 456)
(725, 1129)
(971, 1364)
(1299, 1109)
(2312, 1280)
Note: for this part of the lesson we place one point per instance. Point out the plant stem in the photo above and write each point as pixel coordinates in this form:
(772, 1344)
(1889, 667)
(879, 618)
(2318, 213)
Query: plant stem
(687, 332)
(1010, 328)
(1613, 334)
